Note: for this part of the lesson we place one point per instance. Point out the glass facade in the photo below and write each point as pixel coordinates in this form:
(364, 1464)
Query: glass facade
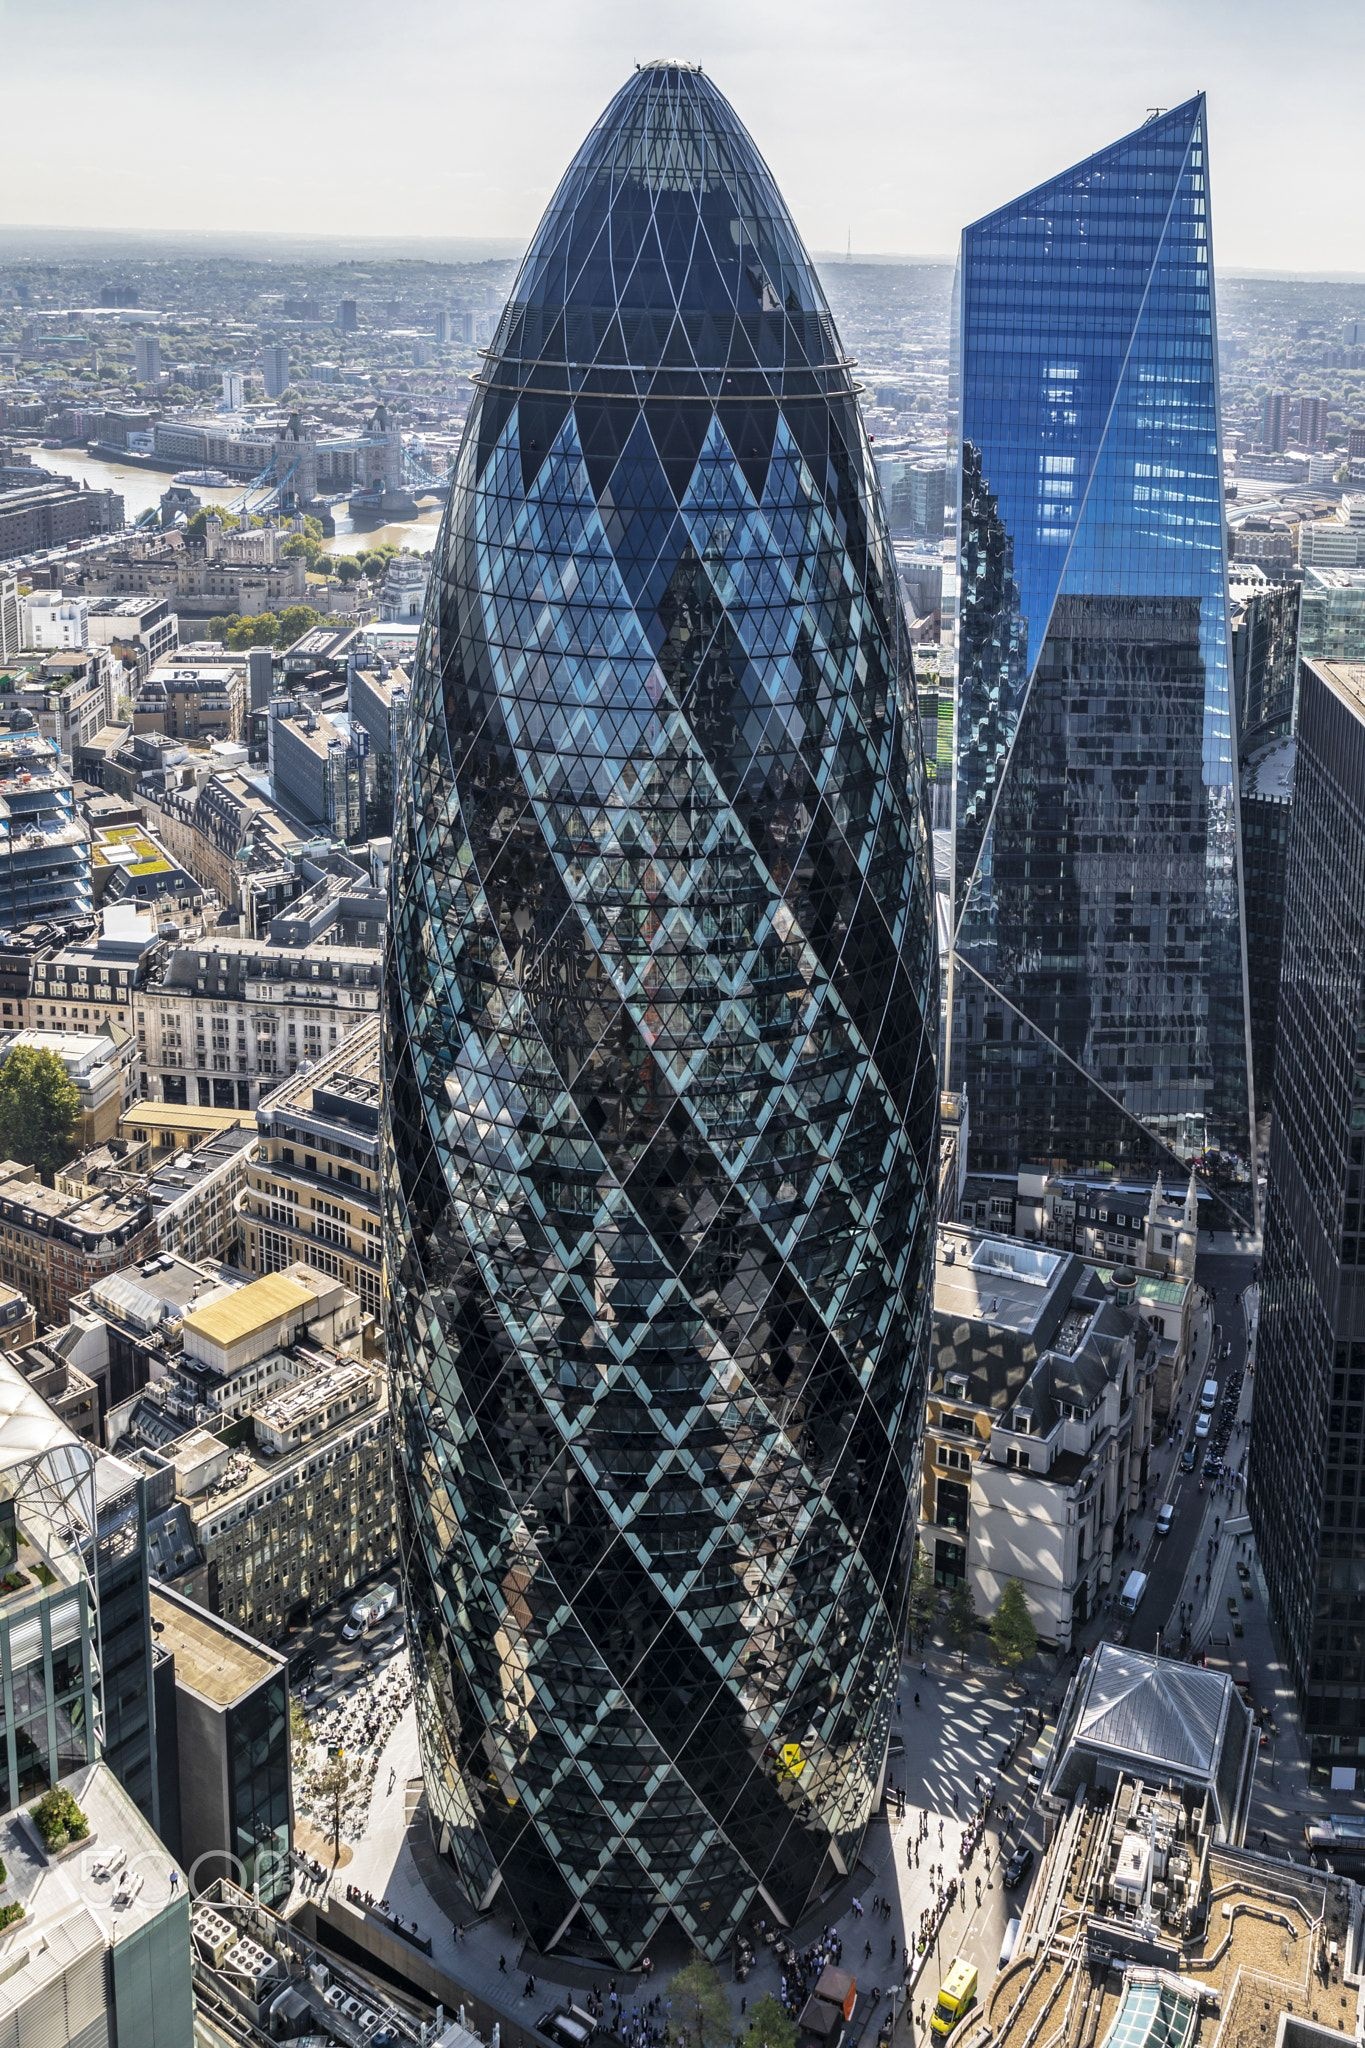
(1100, 1014)
(660, 1089)
(1304, 1487)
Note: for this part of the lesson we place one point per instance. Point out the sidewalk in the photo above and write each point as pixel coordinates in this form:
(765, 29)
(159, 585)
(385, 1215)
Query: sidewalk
(957, 1734)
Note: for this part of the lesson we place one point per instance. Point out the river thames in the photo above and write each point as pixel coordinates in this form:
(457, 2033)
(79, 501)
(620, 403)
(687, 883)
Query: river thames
(142, 490)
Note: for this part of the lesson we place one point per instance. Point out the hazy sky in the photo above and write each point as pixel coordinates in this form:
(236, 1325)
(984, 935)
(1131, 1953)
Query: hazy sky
(895, 119)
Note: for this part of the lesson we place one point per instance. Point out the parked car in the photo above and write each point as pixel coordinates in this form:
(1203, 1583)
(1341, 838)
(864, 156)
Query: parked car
(1018, 1867)
(1202, 1425)
(1189, 1458)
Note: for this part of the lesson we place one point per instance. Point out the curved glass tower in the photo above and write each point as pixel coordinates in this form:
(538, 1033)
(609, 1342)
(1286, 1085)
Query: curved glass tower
(660, 1072)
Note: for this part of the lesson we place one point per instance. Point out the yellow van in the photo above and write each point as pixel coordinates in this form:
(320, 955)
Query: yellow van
(956, 1995)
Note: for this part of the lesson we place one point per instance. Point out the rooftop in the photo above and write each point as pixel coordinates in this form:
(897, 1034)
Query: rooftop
(251, 1309)
(216, 1661)
(994, 1280)
(81, 1905)
(1347, 678)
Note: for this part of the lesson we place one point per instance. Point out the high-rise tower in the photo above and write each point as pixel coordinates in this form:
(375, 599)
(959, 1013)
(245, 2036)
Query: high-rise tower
(660, 1079)
(1100, 992)
(1308, 1447)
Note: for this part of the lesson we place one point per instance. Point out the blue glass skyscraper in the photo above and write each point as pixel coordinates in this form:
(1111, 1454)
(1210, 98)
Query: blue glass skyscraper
(660, 1098)
(1100, 1013)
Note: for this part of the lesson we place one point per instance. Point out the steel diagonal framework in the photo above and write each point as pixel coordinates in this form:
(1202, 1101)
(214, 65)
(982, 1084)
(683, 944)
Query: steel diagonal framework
(661, 1098)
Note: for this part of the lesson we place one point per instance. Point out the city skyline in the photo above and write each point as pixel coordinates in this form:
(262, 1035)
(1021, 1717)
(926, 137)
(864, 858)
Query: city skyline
(892, 172)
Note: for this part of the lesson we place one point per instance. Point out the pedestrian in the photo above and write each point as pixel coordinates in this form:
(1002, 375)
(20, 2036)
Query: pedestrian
(175, 1880)
(502, 1966)
(916, 1699)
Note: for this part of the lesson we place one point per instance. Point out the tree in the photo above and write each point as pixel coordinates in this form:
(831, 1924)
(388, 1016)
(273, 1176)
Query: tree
(40, 1111)
(300, 1734)
(347, 568)
(294, 621)
(700, 2006)
(923, 1596)
(770, 2025)
(332, 1782)
(1012, 1631)
(961, 1618)
(253, 629)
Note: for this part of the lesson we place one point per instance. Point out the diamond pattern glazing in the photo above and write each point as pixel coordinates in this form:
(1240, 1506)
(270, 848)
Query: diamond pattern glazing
(660, 1086)
(1102, 1012)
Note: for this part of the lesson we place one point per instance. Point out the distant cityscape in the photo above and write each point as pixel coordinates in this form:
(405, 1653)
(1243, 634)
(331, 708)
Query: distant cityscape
(682, 1125)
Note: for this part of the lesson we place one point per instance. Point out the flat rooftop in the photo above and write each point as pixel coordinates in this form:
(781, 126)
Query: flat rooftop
(214, 1661)
(251, 1308)
(1347, 678)
(993, 1280)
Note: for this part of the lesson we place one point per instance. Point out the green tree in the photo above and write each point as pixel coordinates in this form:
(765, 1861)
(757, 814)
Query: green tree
(253, 629)
(197, 521)
(961, 1618)
(294, 621)
(923, 1595)
(217, 627)
(40, 1111)
(770, 2025)
(701, 2010)
(300, 1733)
(347, 568)
(1012, 1631)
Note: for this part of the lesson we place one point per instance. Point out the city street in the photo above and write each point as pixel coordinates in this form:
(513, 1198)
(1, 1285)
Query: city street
(1167, 1559)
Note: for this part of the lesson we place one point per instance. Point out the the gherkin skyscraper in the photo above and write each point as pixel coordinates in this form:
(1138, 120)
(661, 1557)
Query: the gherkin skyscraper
(660, 1085)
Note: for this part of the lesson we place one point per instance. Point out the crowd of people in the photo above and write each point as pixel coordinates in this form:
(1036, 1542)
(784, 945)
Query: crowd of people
(353, 1727)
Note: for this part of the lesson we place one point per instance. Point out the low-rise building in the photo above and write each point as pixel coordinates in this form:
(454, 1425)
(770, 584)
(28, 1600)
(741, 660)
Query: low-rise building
(196, 694)
(312, 1191)
(1135, 1222)
(229, 1017)
(137, 630)
(317, 766)
(223, 830)
(69, 695)
(90, 985)
(1038, 1424)
(128, 865)
(54, 1245)
(197, 1197)
(292, 1515)
(1148, 1925)
(254, 1972)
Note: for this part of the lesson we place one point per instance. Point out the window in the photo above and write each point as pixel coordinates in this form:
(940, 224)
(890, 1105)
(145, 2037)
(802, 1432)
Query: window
(954, 1459)
(1018, 1461)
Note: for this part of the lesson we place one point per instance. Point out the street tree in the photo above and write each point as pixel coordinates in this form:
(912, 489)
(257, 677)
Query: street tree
(40, 1110)
(961, 1618)
(770, 2025)
(923, 1596)
(701, 2009)
(1012, 1631)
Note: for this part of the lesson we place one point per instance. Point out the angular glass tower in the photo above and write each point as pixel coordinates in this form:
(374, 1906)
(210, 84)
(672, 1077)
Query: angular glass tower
(661, 1096)
(1100, 1014)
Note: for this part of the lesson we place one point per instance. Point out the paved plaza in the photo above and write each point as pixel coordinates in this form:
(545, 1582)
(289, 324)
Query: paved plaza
(951, 1743)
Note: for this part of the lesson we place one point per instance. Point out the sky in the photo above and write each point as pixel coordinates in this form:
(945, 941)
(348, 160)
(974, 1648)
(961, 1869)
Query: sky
(892, 122)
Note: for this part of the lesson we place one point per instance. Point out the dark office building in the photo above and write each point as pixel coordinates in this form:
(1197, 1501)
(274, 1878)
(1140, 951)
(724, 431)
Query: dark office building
(1100, 1017)
(1265, 659)
(660, 1089)
(1306, 1495)
(229, 1742)
(1267, 800)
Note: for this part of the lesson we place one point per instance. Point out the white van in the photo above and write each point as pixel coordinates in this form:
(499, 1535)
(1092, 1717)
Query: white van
(1209, 1397)
(1164, 1518)
(1010, 1943)
(1134, 1586)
